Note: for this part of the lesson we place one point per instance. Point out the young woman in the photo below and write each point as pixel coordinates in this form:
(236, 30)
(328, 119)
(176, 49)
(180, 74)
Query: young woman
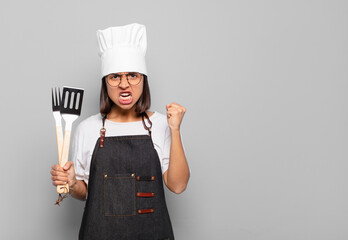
(122, 155)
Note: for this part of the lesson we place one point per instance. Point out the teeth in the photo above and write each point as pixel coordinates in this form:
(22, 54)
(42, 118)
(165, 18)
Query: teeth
(125, 94)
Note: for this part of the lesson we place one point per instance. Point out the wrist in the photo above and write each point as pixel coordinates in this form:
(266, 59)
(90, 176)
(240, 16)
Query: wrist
(174, 130)
(73, 184)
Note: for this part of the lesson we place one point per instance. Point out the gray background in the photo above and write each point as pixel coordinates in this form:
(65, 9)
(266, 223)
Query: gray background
(265, 132)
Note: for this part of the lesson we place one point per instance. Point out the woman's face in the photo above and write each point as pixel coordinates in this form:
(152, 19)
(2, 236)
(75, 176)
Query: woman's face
(125, 95)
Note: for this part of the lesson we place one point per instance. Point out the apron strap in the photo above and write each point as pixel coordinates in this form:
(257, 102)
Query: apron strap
(102, 133)
(147, 128)
(103, 130)
(148, 119)
(104, 117)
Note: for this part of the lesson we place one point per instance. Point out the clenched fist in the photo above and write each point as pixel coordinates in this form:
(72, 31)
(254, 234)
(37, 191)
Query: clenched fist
(61, 176)
(175, 114)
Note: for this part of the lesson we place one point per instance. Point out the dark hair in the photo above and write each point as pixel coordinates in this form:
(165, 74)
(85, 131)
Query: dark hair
(142, 104)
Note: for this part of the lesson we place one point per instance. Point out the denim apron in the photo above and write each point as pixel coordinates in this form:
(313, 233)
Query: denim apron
(125, 191)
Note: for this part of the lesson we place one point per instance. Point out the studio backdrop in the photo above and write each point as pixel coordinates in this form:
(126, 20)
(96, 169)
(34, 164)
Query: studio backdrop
(265, 131)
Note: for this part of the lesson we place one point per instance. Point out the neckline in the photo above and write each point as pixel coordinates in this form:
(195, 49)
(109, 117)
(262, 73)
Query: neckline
(134, 122)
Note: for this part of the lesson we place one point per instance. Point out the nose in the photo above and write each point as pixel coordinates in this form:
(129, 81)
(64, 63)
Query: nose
(124, 83)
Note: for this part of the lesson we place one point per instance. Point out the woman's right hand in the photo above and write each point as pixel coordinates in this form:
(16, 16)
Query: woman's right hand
(61, 176)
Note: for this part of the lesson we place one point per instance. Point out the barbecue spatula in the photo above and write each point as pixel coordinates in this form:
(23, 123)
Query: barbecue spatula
(70, 110)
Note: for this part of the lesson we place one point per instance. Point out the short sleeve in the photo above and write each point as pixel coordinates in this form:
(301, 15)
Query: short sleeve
(79, 163)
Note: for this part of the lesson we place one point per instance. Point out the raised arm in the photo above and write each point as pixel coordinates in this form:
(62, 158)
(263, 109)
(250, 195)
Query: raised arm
(178, 174)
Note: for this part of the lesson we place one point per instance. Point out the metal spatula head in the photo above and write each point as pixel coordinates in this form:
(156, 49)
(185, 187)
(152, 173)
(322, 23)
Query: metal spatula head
(71, 101)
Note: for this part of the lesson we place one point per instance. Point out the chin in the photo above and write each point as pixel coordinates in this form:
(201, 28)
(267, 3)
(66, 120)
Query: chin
(126, 107)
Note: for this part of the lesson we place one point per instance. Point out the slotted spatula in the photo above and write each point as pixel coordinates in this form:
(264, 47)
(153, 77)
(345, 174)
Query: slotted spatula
(70, 110)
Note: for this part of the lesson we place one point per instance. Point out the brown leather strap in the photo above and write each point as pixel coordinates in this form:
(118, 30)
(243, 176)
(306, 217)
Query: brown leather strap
(145, 194)
(145, 178)
(149, 210)
(102, 137)
(102, 133)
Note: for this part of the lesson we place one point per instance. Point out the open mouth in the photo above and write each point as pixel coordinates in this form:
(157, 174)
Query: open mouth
(126, 95)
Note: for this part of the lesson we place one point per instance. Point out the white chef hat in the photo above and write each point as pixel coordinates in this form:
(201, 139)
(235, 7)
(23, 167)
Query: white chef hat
(122, 49)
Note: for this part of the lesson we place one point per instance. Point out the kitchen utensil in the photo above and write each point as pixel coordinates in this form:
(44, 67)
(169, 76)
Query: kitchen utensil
(56, 101)
(70, 110)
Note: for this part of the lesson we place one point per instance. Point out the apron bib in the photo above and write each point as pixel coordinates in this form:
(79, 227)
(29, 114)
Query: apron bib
(125, 192)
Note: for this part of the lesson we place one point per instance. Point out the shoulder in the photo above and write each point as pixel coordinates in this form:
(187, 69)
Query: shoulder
(160, 126)
(89, 123)
(158, 119)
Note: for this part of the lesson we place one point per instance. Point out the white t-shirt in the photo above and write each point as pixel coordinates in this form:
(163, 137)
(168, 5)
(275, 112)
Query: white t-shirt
(88, 132)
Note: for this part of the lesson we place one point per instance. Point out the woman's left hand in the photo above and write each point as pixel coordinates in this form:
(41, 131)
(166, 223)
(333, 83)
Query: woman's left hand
(175, 114)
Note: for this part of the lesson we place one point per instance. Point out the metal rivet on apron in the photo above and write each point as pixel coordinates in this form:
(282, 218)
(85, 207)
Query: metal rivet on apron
(105, 175)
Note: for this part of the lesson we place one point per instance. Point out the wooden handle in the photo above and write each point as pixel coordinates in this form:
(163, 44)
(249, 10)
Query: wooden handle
(59, 133)
(64, 160)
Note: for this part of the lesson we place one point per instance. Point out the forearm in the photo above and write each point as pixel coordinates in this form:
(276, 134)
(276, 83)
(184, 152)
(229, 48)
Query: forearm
(79, 190)
(178, 171)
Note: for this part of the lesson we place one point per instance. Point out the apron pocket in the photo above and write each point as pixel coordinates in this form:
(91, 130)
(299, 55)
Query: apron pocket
(119, 194)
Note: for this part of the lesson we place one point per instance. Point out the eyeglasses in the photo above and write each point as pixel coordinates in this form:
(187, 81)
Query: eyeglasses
(114, 80)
